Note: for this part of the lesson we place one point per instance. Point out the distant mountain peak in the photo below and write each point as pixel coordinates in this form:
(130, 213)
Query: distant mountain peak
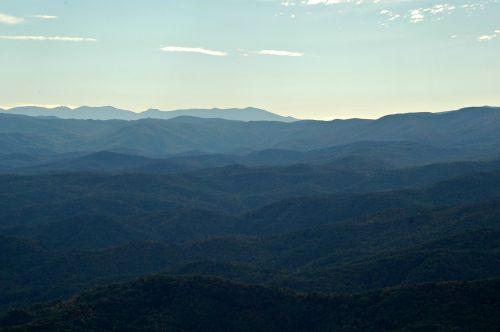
(107, 107)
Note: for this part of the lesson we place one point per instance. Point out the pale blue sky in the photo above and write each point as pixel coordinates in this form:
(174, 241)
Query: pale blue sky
(309, 59)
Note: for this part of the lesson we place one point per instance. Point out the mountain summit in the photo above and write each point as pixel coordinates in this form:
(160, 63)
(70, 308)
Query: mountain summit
(237, 114)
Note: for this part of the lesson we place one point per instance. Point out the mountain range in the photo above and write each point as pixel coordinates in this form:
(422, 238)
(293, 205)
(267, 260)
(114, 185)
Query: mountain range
(472, 133)
(112, 113)
(196, 224)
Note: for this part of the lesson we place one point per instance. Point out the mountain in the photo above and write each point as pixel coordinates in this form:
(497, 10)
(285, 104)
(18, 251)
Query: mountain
(381, 225)
(111, 113)
(468, 133)
(82, 113)
(235, 114)
(196, 304)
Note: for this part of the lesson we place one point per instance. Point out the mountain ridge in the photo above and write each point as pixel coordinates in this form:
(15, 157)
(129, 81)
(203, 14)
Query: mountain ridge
(474, 130)
(113, 113)
(235, 114)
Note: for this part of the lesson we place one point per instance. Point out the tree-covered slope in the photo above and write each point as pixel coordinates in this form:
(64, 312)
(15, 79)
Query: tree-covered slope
(392, 248)
(92, 211)
(196, 304)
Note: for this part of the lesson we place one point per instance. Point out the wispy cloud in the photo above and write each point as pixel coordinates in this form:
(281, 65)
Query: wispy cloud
(396, 9)
(280, 53)
(327, 2)
(45, 17)
(8, 19)
(335, 2)
(199, 50)
(48, 38)
(486, 37)
(391, 16)
(419, 15)
(321, 2)
(489, 37)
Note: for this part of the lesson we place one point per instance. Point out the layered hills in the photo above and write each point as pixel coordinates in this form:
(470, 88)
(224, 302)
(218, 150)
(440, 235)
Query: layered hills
(210, 224)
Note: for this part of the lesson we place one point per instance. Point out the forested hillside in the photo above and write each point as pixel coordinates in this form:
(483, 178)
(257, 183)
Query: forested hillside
(358, 225)
(160, 303)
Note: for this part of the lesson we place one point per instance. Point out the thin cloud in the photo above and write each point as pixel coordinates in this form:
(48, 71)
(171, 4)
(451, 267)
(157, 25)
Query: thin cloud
(317, 2)
(45, 17)
(394, 8)
(280, 53)
(492, 36)
(419, 15)
(326, 2)
(199, 50)
(8, 19)
(489, 37)
(390, 15)
(288, 3)
(486, 37)
(48, 38)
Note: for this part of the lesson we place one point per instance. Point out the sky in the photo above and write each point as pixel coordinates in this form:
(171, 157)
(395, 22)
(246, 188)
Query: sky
(321, 59)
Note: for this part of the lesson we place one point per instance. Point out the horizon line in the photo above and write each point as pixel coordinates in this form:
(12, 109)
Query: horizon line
(73, 108)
